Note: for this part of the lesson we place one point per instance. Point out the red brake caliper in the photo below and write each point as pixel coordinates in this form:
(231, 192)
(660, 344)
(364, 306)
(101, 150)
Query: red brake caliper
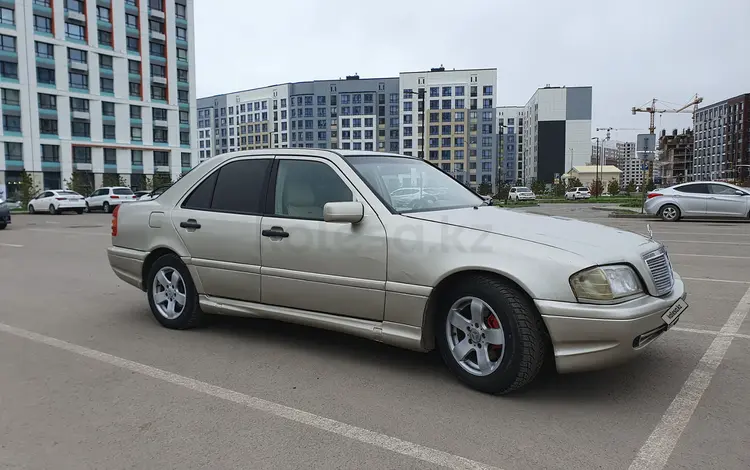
(493, 323)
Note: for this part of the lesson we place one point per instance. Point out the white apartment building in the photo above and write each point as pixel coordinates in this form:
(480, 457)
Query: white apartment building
(459, 122)
(104, 88)
(629, 163)
(557, 132)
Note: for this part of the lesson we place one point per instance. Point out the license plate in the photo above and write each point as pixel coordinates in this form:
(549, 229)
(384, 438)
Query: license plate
(671, 316)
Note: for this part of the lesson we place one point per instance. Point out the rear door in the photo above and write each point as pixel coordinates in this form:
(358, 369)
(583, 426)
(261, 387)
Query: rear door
(725, 202)
(692, 198)
(219, 222)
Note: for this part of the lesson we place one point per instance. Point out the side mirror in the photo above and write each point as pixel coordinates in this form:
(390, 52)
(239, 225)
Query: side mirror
(346, 212)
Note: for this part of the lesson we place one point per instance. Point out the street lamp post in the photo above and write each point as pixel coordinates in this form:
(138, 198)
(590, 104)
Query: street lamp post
(421, 95)
(596, 173)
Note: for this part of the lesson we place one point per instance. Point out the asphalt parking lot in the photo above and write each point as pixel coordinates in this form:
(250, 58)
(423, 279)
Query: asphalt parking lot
(89, 380)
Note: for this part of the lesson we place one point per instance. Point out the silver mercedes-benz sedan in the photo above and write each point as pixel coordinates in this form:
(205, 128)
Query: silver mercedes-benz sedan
(699, 199)
(314, 237)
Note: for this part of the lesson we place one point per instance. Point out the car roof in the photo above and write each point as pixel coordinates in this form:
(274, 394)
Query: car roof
(325, 153)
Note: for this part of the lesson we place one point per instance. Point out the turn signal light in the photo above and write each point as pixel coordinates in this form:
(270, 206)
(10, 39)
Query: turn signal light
(114, 220)
(652, 195)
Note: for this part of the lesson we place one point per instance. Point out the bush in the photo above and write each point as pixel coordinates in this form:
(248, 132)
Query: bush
(613, 187)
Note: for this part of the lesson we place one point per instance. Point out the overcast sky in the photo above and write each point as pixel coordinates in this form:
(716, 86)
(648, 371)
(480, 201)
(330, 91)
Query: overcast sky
(629, 51)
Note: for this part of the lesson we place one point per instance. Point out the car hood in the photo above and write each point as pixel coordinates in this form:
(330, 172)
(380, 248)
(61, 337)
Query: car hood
(597, 243)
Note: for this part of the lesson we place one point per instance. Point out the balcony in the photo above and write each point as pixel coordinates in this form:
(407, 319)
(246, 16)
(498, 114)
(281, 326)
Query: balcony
(74, 65)
(156, 35)
(75, 16)
(80, 114)
(161, 122)
(156, 14)
(158, 80)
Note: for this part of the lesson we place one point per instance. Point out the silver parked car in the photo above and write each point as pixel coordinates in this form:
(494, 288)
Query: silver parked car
(699, 199)
(313, 237)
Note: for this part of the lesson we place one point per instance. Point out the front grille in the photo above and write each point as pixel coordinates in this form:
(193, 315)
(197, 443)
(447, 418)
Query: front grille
(661, 271)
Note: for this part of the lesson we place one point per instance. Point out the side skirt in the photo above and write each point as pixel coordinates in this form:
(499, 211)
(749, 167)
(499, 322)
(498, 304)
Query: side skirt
(396, 334)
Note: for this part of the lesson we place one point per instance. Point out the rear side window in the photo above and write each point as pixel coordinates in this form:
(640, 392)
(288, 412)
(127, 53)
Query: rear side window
(236, 187)
(122, 191)
(240, 186)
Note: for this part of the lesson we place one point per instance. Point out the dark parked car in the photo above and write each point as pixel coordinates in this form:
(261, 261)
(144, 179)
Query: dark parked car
(4, 215)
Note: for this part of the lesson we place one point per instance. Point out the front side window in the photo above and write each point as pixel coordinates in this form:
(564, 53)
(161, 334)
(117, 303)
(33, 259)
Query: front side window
(431, 189)
(303, 188)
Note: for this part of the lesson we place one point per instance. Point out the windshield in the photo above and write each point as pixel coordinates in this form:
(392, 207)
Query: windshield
(523, 190)
(122, 191)
(411, 185)
(68, 193)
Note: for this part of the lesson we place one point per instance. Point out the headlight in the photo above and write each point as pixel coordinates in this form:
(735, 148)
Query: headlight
(606, 283)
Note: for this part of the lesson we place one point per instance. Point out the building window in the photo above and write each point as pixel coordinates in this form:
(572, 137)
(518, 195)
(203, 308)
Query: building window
(185, 117)
(7, 43)
(181, 33)
(110, 156)
(184, 138)
(156, 49)
(42, 24)
(182, 54)
(7, 16)
(104, 37)
(47, 101)
(182, 76)
(487, 90)
(108, 131)
(107, 85)
(159, 114)
(158, 93)
(136, 157)
(50, 153)
(14, 151)
(48, 126)
(75, 31)
(108, 109)
(136, 133)
(81, 154)
(105, 62)
(80, 128)
(134, 89)
(161, 135)
(11, 97)
(183, 96)
(44, 75)
(161, 158)
(180, 11)
(103, 14)
(78, 80)
(44, 50)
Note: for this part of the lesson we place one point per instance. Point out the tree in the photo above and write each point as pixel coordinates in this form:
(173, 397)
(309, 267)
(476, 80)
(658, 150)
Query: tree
(110, 179)
(538, 187)
(160, 179)
(613, 187)
(484, 189)
(28, 189)
(630, 188)
(80, 182)
(596, 188)
(502, 192)
(558, 190)
(574, 183)
(650, 186)
(147, 184)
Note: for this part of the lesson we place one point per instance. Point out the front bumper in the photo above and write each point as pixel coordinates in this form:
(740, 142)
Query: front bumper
(588, 337)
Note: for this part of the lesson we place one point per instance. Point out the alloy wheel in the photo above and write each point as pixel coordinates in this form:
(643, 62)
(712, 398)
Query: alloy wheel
(169, 293)
(475, 336)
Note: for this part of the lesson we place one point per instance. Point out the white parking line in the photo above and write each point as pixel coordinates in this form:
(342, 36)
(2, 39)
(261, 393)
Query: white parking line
(709, 332)
(659, 446)
(714, 280)
(709, 256)
(713, 234)
(383, 441)
(704, 242)
(69, 232)
(11, 245)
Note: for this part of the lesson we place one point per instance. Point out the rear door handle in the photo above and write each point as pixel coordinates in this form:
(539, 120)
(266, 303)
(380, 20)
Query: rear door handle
(275, 232)
(190, 223)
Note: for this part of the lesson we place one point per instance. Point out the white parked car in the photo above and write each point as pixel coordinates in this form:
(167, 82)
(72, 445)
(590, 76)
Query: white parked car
(106, 199)
(149, 195)
(581, 192)
(521, 193)
(57, 201)
(699, 199)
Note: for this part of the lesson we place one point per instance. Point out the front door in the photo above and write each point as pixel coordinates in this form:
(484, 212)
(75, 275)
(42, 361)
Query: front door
(219, 223)
(725, 202)
(310, 264)
(692, 198)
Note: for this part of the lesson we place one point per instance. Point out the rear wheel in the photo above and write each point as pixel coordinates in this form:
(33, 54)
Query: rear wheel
(172, 295)
(490, 335)
(3, 225)
(669, 213)
(52, 210)
(106, 207)
(79, 211)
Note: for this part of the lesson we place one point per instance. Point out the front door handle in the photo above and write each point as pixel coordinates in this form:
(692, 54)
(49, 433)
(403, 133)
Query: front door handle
(190, 223)
(275, 232)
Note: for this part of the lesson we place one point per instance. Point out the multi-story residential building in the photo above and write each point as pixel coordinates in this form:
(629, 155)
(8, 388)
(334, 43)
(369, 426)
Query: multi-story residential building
(629, 163)
(382, 114)
(457, 130)
(510, 143)
(357, 114)
(557, 132)
(722, 140)
(605, 153)
(99, 87)
(676, 156)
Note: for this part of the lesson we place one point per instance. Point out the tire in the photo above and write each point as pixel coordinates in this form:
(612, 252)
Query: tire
(79, 211)
(87, 208)
(31, 209)
(106, 208)
(670, 213)
(53, 211)
(3, 225)
(518, 361)
(190, 315)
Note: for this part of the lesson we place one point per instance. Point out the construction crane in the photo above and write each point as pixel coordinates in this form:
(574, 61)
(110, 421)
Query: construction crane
(652, 110)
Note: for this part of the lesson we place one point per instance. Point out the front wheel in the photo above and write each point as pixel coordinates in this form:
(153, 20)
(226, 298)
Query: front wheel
(669, 213)
(490, 335)
(172, 295)
(31, 209)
